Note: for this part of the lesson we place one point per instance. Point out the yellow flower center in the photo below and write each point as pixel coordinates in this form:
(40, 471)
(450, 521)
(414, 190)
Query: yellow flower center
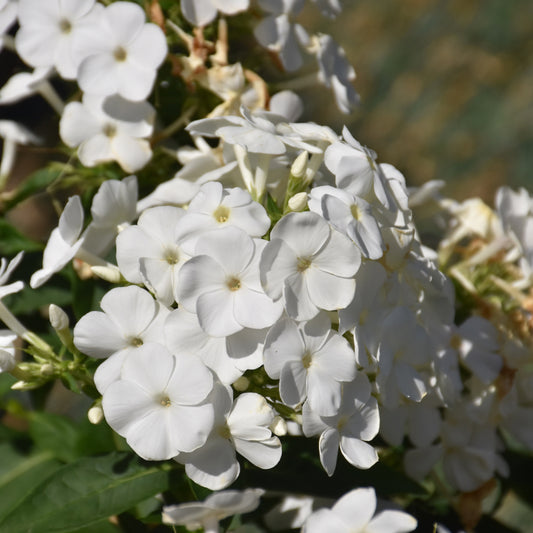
(234, 284)
(303, 264)
(120, 54)
(221, 214)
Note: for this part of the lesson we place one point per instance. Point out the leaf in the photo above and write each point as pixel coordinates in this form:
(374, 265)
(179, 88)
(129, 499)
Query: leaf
(19, 475)
(13, 241)
(28, 299)
(86, 492)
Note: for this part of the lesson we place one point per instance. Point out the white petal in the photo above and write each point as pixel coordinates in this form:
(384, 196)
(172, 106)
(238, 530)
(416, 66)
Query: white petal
(264, 454)
(215, 313)
(328, 446)
(358, 453)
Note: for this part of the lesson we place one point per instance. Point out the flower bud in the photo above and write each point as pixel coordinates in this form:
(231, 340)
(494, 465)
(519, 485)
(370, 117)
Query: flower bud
(95, 414)
(279, 426)
(298, 202)
(47, 369)
(111, 274)
(241, 384)
(299, 165)
(58, 318)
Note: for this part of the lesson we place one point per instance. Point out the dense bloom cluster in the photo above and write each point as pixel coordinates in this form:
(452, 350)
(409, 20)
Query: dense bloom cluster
(277, 283)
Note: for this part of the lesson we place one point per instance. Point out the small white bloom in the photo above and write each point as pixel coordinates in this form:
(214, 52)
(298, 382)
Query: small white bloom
(109, 129)
(157, 403)
(123, 55)
(6, 270)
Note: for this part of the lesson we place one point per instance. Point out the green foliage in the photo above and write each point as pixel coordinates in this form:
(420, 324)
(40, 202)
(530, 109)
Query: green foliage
(85, 492)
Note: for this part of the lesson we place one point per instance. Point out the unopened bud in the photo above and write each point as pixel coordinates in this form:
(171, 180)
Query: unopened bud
(107, 273)
(241, 384)
(298, 202)
(7, 361)
(58, 318)
(95, 414)
(47, 369)
(279, 426)
(299, 165)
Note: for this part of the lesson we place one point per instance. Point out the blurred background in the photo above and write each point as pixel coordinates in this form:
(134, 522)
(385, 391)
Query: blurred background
(446, 89)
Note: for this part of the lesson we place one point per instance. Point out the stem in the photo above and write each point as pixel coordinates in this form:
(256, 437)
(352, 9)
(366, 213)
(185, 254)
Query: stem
(8, 158)
(47, 91)
(11, 322)
(181, 121)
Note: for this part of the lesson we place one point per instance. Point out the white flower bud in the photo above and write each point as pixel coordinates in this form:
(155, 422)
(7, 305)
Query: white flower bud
(58, 317)
(95, 414)
(298, 202)
(279, 426)
(299, 165)
(47, 369)
(111, 274)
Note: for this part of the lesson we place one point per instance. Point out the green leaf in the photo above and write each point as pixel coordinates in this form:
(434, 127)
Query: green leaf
(13, 241)
(28, 299)
(36, 183)
(19, 475)
(86, 492)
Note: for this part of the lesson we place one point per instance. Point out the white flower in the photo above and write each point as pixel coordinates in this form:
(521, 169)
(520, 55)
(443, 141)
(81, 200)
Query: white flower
(123, 55)
(202, 12)
(6, 270)
(335, 71)
(278, 34)
(24, 84)
(156, 403)
(130, 318)
(311, 361)
(7, 350)
(354, 513)
(351, 215)
(309, 266)
(48, 30)
(216, 507)
(221, 284)
(63, 244)
(109, 129)
(356, 422)
(241, 426)
(151, 252)
(216, 207)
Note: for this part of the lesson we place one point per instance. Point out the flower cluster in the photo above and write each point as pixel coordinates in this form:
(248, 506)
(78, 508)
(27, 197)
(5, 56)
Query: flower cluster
(276, 286)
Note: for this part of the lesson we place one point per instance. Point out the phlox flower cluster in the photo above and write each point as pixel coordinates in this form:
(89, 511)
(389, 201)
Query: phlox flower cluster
(276, 285)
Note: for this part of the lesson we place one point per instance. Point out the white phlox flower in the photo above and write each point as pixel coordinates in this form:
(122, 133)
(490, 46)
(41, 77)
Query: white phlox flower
(63, 244)
(403, 358)
(354, 513)
(183, 335)
(335, 72)
(48, 31)
(130, 317)
(309, 266)
(24, 84)
(215, 507)
(279, 34)
(158, 402)
(112, 209)
(468, 452)
(221, 284)
(241, 426)
(356, 423)
(364, 315)
(202, 12)
(351, 215)
(123, 54)
(7, 350)
(311, 361)
(6, 269)
(151, 252)
(216, 207)
(355, 169)
(109, 129)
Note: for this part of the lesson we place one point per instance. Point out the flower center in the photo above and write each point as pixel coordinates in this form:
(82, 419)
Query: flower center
(356, 212)
(65, 26)
(455, 341)
(221, 214)
(136, 341)
(172, 257)
(110, 130)
(120, 54)
(165, 401)
(224, 431)
(307, 360)
(234, 284)
(303, 264)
